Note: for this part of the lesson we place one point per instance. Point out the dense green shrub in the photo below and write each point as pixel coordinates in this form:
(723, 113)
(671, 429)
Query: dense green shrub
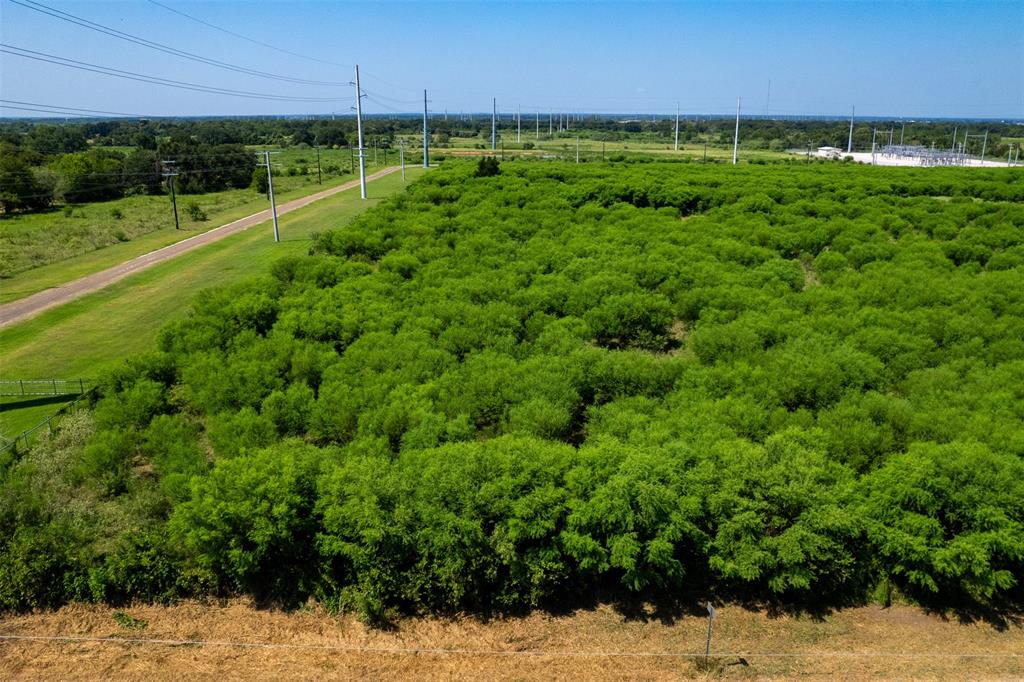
(789, 383)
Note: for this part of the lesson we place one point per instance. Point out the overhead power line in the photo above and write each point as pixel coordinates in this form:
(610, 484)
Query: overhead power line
(155, 80)
(100, 28)
(247, 38)
(71, 111)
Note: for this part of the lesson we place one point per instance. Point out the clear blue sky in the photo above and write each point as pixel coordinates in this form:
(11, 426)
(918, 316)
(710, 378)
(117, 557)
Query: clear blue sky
(916, 59)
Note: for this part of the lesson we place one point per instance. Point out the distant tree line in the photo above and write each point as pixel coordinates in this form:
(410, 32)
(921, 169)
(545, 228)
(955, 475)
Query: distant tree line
(43, 162)
(32, 180)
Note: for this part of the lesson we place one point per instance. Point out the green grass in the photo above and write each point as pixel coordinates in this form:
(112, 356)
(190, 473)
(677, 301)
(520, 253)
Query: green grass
(43, 250)
(591, 147)
(83, 337)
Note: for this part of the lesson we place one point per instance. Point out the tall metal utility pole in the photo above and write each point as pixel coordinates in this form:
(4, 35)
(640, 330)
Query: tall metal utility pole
(874, 132)
(984, 144)
(359, 132)
(551, 118)
(494, 124)
(426, 134)
(736, 137)
(319, 175)
(170, 173)
(270, 188)
(677, 126)
(577, 149)
(538, 124)
(519, 123)
(903, 129)
(953, 148)
(849, 141)
(401, 155)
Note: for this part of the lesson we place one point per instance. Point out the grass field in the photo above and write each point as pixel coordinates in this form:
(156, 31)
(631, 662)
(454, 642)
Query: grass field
(42, 250)
(81, 338)
(593, 148)
(900, 642)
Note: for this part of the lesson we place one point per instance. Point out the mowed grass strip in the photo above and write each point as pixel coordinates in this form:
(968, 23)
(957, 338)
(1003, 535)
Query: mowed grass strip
(147, 221)
(82, 338)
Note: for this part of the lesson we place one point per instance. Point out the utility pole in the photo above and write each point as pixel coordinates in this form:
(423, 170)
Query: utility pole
(519, 123)
(359, 131)
(849, 141)
(677, 126)
(874, 133)
(551, 118)
(426, 135)
(903, 129)
(270, 188)
(494, 124)
(577, 149)
(319, 175)
(401, 155)
(538, 125)
(170, 172)
(736, 137)
(953, 148)
(984, 145)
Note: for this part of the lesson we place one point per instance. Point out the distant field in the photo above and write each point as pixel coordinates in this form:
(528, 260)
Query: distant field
(82, 337)
(593, 148)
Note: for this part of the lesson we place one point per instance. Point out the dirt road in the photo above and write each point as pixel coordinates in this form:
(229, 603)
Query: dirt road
(30, 306)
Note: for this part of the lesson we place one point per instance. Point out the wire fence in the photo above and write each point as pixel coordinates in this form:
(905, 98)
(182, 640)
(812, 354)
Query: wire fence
(23, 441)
(42, 387)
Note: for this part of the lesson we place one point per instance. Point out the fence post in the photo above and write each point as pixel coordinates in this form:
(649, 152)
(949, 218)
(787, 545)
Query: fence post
(711, 619)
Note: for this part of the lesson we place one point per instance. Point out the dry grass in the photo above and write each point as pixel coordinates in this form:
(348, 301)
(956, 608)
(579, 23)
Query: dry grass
(864, 643)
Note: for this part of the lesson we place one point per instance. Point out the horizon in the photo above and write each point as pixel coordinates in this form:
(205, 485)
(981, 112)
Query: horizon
(891, 61)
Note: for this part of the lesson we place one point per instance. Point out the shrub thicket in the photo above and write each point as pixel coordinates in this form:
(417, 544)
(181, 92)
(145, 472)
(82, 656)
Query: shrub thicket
(492, 393)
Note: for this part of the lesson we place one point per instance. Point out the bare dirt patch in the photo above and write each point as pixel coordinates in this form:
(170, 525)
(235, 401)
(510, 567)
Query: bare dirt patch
(237, 641)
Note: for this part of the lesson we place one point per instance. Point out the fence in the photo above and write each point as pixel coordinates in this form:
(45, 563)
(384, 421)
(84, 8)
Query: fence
(37, 387)
(24, 439)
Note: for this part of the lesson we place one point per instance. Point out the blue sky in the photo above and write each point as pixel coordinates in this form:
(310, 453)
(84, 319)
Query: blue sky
(916, 59)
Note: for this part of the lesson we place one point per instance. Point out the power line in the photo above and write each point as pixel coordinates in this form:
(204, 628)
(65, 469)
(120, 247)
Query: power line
(100, 28)
(154, 80)
(247, 38)
(64, 109)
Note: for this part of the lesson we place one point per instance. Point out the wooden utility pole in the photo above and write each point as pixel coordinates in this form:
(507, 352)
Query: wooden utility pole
(170, 172)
